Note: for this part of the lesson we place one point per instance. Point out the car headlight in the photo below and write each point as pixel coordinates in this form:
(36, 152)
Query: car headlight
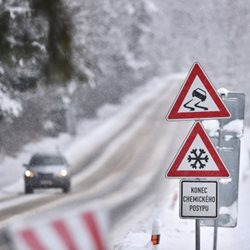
(63, 172)
(28, 173)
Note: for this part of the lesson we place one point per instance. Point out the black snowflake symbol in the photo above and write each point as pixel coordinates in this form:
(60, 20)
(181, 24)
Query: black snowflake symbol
(198, 159)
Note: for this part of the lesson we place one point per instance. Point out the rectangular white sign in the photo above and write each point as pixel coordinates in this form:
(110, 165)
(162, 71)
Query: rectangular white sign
(199, 199)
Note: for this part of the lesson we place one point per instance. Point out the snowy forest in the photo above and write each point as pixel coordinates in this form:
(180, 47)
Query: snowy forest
(60, 60)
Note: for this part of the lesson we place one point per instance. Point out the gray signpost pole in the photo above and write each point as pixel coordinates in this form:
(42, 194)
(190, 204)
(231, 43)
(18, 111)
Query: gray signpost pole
(197, 234)
(219, 149)
(216, 220)
(215, 234)
(197, 231)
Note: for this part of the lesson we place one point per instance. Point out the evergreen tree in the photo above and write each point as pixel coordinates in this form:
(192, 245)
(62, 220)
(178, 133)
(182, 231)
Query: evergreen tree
(35, 43)
(58, 66)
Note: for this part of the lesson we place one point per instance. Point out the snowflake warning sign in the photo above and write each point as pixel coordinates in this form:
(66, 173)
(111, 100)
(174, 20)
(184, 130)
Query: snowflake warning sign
(198, 99)
(198, 157)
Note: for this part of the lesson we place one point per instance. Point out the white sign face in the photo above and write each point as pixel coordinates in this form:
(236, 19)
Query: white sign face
(199, 199)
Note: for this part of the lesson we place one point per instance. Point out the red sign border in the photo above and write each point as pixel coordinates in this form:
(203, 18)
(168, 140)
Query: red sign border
(195, 130)
(173, 114)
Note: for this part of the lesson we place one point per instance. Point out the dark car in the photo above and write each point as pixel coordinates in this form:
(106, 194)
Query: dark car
(47, 171)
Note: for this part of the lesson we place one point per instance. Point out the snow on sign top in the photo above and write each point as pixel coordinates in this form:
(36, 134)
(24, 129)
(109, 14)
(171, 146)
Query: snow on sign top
(197, 99)
(198, 157)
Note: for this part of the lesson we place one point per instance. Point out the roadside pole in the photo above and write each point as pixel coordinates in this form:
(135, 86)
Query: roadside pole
(197, 234)
(220, 142)
(198, 199)
(215, 234)
(155, 237)
(216, 220)
(197, 230)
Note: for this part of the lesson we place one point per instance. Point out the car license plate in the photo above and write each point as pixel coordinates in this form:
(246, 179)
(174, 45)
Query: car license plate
(45, 182)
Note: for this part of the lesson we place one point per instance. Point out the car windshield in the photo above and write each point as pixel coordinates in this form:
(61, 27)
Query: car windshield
(45, 160)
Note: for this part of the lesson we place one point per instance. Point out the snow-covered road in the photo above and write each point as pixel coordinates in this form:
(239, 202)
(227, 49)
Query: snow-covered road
(116, 159)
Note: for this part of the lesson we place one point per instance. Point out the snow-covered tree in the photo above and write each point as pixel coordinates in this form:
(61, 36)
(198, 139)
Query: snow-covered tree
(35, 45)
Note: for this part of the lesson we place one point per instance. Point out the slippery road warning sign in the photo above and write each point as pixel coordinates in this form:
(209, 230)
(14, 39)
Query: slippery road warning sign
(198, 157)
(197, 99)
(199, 199)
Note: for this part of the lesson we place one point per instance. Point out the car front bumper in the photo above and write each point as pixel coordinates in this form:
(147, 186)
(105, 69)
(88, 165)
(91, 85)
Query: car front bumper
(48, 182)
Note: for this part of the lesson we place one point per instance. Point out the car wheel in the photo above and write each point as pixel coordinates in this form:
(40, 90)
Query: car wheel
(66, 188)
(28, 190)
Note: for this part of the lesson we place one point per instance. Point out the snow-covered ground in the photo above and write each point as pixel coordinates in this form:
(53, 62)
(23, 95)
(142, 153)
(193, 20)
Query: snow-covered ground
(175, 233)
(179, 233)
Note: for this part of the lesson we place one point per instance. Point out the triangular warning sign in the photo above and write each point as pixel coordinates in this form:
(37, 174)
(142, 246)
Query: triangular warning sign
(198, 157)
(197, 99)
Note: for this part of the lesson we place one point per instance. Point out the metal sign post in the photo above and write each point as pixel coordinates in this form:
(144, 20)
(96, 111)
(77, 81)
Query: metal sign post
(228, 190)
(197, 235)
(227, 140)
(216, 221)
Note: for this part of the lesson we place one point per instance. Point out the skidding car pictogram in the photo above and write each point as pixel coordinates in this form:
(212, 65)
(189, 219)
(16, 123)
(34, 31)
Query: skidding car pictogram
(201, 95)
